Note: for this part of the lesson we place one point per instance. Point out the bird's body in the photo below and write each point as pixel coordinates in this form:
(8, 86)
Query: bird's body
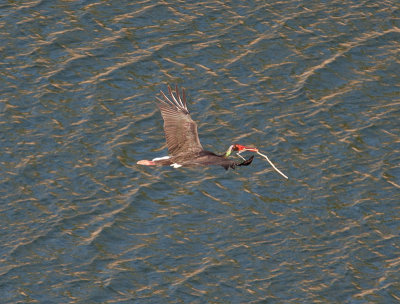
(183, 142)
(204, 158)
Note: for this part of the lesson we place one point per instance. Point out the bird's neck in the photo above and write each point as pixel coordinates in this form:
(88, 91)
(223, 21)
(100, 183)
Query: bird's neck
(229, 151)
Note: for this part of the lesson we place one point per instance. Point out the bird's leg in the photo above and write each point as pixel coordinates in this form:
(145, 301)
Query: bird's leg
(246, 162)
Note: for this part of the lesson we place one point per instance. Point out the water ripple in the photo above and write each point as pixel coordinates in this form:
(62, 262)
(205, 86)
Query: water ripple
(313, 85)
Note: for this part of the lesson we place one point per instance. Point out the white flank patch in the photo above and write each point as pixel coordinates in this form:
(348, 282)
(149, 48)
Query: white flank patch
(176, 165)
(160, 158)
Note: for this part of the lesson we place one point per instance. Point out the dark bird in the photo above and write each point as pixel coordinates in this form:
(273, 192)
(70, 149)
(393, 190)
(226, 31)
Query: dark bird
(183, 142)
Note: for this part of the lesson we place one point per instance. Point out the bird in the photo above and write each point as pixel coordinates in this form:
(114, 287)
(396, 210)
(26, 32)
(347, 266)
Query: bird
(184, 147)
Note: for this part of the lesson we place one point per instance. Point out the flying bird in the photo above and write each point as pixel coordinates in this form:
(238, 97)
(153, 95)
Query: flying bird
(184, 147)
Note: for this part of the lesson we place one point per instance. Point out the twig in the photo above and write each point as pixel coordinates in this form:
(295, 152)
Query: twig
(273, 166)
(238, 154)
(266, 157)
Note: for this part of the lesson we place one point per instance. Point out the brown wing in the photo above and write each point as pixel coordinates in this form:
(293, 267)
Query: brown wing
(180, 130)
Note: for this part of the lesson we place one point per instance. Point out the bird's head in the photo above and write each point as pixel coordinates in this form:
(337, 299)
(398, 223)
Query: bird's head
(239, 148)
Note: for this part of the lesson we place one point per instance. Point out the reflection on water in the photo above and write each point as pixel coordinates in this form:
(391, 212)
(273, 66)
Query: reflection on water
(313, 85)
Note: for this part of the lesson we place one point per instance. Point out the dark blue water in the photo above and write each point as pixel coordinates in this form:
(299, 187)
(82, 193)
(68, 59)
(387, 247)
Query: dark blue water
(314, 85)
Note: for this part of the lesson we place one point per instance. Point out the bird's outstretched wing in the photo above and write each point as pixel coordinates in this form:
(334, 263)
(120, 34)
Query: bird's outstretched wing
(180, 130)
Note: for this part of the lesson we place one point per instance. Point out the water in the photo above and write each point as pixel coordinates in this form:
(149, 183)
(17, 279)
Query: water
(314, 85)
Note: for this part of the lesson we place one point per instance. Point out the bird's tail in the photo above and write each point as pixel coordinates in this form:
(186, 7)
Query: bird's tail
(146, 162)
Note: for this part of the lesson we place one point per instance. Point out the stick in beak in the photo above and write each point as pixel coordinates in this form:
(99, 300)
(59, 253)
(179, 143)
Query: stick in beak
(273, 166)
(241, 149)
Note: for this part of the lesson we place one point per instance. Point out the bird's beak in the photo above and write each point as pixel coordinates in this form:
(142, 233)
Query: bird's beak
(241, 148)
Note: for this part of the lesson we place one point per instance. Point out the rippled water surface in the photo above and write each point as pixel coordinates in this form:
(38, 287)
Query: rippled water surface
(314, 84)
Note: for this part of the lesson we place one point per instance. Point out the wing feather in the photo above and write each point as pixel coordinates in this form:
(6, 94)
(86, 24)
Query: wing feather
(179, 128)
